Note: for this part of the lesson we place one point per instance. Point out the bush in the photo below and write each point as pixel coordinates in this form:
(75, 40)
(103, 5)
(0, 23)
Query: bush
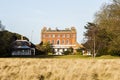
(69, 51)
(66, 52)
(44, 48)
(78, 53)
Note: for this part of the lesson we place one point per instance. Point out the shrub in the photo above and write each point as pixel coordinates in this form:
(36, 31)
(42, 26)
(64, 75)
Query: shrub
(66, 52)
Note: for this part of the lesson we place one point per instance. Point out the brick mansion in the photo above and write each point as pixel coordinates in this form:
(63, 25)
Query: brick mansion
(61, 40)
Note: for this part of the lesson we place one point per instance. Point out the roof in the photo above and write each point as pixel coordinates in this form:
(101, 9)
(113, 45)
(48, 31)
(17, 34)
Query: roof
(21, 47)
(21, 44)
(58, 30)
(79, 45)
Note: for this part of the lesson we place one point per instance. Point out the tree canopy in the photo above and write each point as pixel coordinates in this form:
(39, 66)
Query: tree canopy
(107, 30)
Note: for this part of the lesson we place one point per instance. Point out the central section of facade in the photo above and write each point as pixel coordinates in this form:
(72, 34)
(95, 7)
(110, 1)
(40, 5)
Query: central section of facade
(61, 40)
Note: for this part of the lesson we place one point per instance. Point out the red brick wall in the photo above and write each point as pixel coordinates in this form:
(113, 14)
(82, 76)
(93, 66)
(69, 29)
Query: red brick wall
(70, 36)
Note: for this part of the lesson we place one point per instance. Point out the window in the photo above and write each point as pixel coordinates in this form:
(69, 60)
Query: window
(63, 42)
(53, 35)
(52, 41)
(67, 41)
(58, 42)
(49, 35)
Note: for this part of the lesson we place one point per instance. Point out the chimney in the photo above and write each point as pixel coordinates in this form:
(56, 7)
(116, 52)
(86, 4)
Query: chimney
(21, 37)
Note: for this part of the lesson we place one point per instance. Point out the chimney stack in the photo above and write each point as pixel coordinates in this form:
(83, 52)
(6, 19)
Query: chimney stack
(21, 37)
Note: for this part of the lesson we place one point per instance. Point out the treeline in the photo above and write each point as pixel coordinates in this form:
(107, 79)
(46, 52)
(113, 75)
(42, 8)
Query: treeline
(103, 35)
(6, 39)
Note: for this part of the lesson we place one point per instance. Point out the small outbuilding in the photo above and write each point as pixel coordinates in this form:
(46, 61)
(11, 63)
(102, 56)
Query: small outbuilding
(22, 47)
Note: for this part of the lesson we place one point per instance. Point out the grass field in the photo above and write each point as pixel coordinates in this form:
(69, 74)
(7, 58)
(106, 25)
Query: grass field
(59, 69)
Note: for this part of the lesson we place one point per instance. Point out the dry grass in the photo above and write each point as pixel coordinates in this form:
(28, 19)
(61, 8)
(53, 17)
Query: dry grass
(59, 69)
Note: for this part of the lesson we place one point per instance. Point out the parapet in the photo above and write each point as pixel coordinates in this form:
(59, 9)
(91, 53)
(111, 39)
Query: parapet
(72, 29)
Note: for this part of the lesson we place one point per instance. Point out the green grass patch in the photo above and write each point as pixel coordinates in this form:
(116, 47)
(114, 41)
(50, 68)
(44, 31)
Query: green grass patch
(78, 57)
(67, 57)
(73, 56)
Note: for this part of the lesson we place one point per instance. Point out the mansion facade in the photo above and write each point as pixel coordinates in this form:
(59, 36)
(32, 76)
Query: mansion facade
(61, 40)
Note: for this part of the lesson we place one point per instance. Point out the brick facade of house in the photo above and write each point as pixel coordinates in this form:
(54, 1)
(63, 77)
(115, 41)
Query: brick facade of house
(61, 40)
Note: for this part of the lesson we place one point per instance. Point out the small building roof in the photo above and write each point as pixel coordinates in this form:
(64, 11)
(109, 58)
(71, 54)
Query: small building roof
(21, 44)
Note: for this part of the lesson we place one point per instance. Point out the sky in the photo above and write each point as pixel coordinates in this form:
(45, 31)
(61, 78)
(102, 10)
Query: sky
(28, 17)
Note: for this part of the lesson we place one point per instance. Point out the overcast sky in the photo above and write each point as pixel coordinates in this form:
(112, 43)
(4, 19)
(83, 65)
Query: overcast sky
(27, 17)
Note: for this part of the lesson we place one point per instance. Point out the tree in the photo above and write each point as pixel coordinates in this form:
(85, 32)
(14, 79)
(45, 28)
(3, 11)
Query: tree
(109, 21)
(107, 31)
(45, 48)
(91, 35)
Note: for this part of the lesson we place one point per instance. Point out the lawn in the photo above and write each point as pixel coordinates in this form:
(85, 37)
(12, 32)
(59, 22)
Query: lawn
(67, 57)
